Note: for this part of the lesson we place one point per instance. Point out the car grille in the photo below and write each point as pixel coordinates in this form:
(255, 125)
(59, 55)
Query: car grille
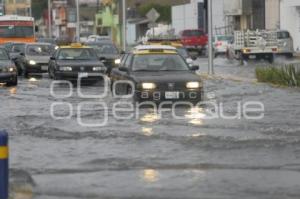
(83, 68)
(171, 86)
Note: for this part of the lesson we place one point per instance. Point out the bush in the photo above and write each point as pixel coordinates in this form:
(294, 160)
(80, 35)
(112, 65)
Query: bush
(288, 75)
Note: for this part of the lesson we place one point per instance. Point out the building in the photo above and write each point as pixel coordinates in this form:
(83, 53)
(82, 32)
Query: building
(18, 7)
(194, 16)
(290, 19)
(272, 14)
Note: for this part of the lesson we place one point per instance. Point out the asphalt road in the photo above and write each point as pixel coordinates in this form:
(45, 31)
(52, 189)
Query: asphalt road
(148, 156)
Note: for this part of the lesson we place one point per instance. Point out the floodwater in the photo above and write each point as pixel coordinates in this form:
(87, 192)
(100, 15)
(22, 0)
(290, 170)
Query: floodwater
(151, 155)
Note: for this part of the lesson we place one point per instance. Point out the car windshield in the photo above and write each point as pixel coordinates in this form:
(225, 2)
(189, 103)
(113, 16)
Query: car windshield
(105, 49)
(3, 55)
(77, 54)
(183, 52)
(225, 38)
(39, 50)
(159, 62)
(17, 48)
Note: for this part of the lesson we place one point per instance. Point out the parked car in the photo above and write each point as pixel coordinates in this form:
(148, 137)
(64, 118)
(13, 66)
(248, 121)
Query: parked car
(107, 52)
(194, 40)
(14, 50)
(35, 58)
(220, 43)
(157, 75)
(8, 70)
(74, 61)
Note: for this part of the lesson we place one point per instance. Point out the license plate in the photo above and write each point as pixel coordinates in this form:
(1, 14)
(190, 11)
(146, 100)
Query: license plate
(45, 67)
(171, 95)
(83, 74)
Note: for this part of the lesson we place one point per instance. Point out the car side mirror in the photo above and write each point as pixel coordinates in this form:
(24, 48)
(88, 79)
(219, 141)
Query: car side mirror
(123, 69)
(22, 54)
(194, 68)
(52, 58)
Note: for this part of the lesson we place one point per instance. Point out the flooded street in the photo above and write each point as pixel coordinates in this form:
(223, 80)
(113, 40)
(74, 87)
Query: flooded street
(148, 156)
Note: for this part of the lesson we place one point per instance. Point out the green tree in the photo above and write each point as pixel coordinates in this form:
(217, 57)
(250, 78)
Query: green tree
(163, 10)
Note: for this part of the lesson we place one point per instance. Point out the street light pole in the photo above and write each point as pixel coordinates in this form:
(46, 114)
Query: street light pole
(78, 22)
(49, 20)
(124, 23)
(210, 47)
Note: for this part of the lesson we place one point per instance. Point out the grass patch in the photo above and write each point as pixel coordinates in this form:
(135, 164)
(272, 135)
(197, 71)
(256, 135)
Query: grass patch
(287, 75)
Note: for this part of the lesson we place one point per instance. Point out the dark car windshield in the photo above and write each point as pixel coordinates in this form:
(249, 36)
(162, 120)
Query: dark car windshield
(192, 33)
(39, 50)
(3, 55)
(105, 49)
(77, 54)
(159, 62)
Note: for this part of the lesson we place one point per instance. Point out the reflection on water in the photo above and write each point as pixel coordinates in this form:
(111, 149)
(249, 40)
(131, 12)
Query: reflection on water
(196, 116)
(13, 90)
(147, 131)
(150, 175)
(150, 117)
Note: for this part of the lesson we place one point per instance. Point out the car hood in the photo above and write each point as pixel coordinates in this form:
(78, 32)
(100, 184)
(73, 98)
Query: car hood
(39, 59)
(5, 63)
(165, 76)
(79, 63)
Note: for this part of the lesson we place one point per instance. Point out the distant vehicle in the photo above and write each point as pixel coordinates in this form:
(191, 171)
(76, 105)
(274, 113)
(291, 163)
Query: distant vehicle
(47, 40)
(285, 43)
(220, 43)
(194, 40)
(107, 52)
(15, 28)
(74, 61)
(97, 38)
(259, 44)
(8, 70)
(158, 75)
(35, 58)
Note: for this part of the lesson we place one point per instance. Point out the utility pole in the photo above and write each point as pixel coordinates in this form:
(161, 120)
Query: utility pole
(49, 20)
(210, 37)
(78, 22)
(124, 23)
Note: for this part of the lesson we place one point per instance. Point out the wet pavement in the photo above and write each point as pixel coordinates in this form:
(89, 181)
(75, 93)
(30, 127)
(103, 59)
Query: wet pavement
(157, 157)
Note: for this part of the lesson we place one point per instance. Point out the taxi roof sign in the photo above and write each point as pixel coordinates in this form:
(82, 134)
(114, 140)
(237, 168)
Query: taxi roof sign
(76, 45)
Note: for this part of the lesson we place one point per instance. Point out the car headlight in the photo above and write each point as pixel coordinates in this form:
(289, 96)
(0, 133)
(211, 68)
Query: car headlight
(56, 47)
(65, 68)
(32, 62)
(148, 86)
(98, 68)
(192, 85)
(117, 61)
(11, 69)
(8, 69)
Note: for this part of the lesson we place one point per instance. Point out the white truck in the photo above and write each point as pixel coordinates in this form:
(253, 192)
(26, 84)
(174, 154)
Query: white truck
(259, 44)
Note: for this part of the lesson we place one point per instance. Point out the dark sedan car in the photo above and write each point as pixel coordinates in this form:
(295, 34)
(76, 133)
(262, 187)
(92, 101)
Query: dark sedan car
(8, 70)
(106, 51)
(157, 76)
(35, 58)
(70, 62)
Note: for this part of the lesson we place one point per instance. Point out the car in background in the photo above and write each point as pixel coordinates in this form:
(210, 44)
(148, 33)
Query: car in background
(194, 40)
(285, 43)
(8, 70)
(221, 43)
(14, 50)
(35, 58)
(157, 75)
(75, 61)
(107, 52)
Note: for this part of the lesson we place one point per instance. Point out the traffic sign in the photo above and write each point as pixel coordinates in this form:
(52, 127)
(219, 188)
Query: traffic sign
(153, 15)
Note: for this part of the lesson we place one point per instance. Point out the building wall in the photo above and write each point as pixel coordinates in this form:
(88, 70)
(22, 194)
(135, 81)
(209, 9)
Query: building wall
(17, 7)
(186, 16)
(290, 19)
(272, 14)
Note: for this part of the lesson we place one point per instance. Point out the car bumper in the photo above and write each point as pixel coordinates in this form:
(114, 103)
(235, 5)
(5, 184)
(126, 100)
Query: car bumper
(39, 68)
(190, 95)
(78, 75)
(7, 77)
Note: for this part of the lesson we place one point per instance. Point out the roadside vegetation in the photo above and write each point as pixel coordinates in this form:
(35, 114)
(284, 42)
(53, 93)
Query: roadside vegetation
(287, 75)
